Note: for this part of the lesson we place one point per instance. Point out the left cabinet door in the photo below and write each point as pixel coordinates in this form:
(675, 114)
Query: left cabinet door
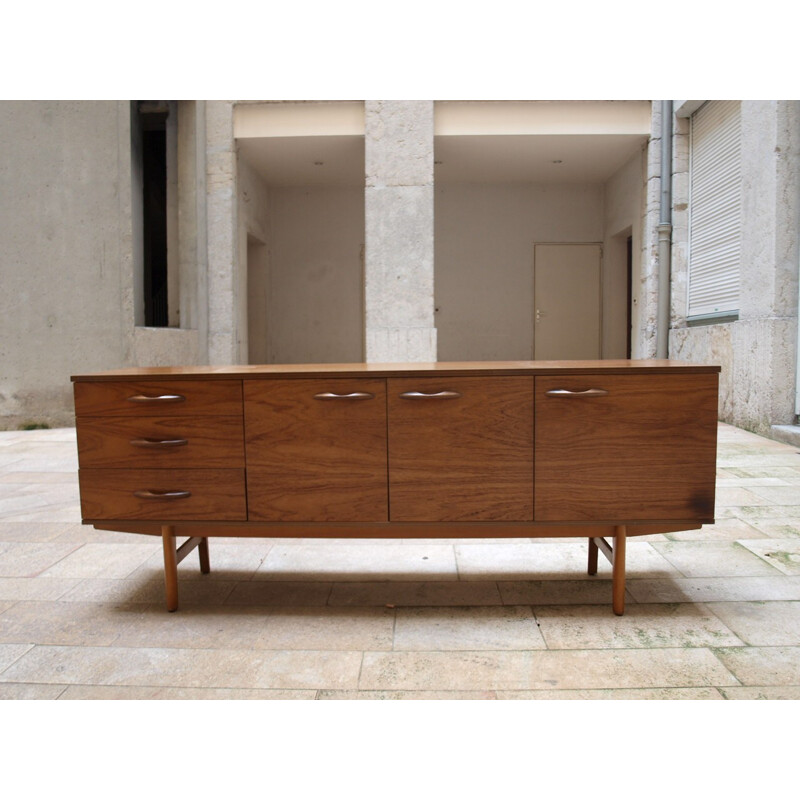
(316, 450)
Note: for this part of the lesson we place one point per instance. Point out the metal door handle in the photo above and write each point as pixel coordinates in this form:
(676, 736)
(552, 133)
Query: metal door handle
(155, 494)
(351, 396)
(159, 442)
(430, 396)
(571, 393)
(160, 398)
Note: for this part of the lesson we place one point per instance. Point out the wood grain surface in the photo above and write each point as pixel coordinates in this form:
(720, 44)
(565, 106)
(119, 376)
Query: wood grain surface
(469, 458)
(645, 451)
(223, 398)
(216, 494)
(211, 442)
(311, 459)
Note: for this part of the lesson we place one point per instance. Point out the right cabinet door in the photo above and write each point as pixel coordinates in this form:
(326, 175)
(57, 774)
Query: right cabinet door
(625, 448)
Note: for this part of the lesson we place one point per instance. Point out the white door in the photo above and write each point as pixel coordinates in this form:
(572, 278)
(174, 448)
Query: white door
(567, 301)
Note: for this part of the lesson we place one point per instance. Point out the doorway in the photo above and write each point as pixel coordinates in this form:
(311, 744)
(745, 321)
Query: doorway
(567, 297)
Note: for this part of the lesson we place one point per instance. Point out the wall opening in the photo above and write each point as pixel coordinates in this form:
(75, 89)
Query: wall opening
(509, 175)
(154, 154)
(301, 173)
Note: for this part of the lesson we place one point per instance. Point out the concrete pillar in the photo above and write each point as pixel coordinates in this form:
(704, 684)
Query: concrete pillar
(398, 269)
(224, 338)
(645, 289)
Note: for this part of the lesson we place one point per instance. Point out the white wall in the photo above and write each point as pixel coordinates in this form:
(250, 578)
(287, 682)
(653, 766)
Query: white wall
(254, 246)
(484, 237)
(315, 308)
(622, 218)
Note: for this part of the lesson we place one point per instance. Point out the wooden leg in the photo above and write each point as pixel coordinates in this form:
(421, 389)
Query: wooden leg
(618, 571)
(170, 566)
(202, 551)
(592, 556)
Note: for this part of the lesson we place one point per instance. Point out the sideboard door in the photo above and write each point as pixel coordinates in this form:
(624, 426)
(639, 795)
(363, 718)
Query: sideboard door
(316, 450)
(460, 449)
(625, 448)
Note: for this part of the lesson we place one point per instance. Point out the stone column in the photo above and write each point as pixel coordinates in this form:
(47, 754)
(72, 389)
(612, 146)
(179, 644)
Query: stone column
(398, 271)
(223, 243)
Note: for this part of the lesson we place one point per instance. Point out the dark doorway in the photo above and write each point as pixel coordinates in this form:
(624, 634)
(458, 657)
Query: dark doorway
(153, 122)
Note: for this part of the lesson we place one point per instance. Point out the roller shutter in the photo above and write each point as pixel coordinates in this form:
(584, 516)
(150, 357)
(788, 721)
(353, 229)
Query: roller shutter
(715, 210)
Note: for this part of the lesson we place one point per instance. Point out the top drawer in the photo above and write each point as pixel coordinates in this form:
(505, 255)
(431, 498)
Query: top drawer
(162, 398)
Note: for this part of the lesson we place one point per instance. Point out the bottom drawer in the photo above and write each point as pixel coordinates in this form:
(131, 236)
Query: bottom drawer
(163, 494)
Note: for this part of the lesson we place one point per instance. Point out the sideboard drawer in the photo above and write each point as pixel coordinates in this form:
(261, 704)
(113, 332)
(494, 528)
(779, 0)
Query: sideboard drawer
(158, 398)
(209, 442)
(163, 494)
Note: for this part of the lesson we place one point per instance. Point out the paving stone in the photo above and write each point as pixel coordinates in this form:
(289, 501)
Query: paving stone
(488, 628)
(617, 694)
(699, 590)
(544, 669)
(651, 626)
(548, 561)
(280, 593)
(554, 592)
(761, 692)
(359, 562)
(177, 693)
(416, 593)
(102, 560)
(30, 559)
(782, 554)
(186, 668)
(707, 559)
(9, 653)
(762, 623)
(763, 666)
(30, 691)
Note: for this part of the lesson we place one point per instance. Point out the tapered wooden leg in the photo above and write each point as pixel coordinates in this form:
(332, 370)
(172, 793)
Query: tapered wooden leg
(592, 556)
(170, 566)
(202, 551)
(618, 571)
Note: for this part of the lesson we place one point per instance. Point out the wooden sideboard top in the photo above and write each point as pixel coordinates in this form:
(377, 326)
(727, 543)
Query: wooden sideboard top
(440, 368)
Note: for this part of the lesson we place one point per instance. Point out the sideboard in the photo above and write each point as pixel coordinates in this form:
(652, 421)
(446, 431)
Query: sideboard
(596, 449)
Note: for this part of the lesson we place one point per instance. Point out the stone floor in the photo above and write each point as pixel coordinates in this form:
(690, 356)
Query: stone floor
(711, 614)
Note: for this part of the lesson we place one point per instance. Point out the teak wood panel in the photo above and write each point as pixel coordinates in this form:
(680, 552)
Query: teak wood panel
(312, 459)
(158, 398)
(214, 494)
(646, 450)
(468, 458)
(114, 442)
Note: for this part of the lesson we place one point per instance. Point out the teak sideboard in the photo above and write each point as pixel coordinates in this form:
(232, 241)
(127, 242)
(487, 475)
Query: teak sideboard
(597, 449)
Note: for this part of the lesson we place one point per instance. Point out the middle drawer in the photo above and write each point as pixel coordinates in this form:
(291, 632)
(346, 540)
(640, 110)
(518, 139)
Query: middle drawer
(209, 442)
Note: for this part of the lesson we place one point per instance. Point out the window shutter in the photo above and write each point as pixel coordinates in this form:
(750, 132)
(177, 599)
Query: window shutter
(715, 209)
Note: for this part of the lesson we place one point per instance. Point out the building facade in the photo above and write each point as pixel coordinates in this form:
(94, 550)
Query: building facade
(218, 232)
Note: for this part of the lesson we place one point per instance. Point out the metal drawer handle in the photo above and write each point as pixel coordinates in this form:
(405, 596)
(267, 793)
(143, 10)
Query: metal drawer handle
(155, 494)
(159, 442)
(160, 398)
(430, 396)
(351, 396)
(570, 393)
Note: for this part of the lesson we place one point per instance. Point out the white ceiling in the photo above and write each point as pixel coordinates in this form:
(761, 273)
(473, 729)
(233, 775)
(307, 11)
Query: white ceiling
(584, 158)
